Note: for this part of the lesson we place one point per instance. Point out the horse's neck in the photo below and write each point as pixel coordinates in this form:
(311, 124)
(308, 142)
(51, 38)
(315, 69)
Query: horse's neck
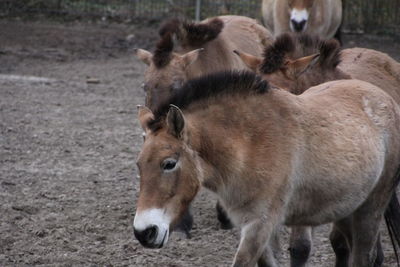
(306, 80)
(217, 56)
(227, 138)
(318, 77)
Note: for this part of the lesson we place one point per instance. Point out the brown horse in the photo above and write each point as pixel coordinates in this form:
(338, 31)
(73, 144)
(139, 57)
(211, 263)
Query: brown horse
(204, 48)
(331, 154)
(296, 63)
(322, 18)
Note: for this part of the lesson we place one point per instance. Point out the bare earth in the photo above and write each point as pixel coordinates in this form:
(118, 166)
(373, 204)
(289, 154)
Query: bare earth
(67, 153)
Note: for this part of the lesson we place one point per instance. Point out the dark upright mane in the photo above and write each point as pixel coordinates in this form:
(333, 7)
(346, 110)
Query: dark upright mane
(209, 86)
(291, 46)
(192, 34)
(275, 54)
(164, 48)
(189, 34)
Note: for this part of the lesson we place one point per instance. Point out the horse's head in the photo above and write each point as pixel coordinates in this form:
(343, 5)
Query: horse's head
(297, 62)
(169, 179)
(299, 11)
(166, 71)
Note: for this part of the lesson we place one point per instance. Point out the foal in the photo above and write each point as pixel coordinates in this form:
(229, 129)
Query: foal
(341, 138)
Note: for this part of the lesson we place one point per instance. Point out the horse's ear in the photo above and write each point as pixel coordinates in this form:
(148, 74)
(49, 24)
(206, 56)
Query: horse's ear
(251, 61)
(144, 55)
(294, 68)
(191, 56)
(175, 121)
(144, 116)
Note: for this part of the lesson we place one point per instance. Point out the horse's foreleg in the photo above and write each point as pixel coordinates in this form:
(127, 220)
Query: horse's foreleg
(338, 35)
(267, 259)
(185, 224)
(300, 245)
(254, 245)
(222, 217)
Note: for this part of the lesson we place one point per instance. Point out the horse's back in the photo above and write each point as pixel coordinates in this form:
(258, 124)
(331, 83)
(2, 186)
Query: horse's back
(245, 34)
(373, 66)
(361, 99)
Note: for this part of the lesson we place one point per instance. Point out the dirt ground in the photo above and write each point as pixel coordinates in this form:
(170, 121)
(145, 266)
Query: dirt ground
(67, 150)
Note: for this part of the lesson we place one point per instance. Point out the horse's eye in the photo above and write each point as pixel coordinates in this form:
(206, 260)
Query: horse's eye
(169, 164)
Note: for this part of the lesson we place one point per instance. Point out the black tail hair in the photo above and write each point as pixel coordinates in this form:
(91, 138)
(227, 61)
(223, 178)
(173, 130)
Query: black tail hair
(392, 219)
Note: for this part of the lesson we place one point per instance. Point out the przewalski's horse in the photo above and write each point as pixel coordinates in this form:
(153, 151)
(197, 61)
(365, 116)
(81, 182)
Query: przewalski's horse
(318, 17)
(297, 63)
(204, 48)
(331, 154)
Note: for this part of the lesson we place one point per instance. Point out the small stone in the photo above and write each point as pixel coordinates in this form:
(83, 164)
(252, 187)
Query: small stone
(92, 80)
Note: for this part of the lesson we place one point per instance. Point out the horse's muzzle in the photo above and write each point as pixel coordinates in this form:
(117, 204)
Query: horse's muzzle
(149, 237)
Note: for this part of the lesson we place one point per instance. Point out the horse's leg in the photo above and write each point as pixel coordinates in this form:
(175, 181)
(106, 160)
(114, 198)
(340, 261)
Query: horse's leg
(185, 224)
(300, 245)
(366, 222)
(379, 253)
(222, 217)
(254, 244)
(267, 259)
(341, 241)
(338, 34)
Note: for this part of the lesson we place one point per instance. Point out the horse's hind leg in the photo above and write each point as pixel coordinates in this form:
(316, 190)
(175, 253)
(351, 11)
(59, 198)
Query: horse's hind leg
(341, 241)
(379, 253)
(366, 222)
(300, 245)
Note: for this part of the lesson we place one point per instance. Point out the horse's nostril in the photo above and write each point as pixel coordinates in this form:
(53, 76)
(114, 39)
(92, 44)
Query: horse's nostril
(147, 236)
(298, 26)
(151, 233)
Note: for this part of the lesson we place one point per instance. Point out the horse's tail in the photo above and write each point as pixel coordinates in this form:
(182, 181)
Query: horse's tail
(392, 218)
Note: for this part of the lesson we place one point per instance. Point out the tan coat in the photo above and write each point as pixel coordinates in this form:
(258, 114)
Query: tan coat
(327, 155)
(193, 60)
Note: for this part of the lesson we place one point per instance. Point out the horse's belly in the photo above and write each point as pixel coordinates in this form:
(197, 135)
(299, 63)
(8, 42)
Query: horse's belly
(331, 189)
(322, 214)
